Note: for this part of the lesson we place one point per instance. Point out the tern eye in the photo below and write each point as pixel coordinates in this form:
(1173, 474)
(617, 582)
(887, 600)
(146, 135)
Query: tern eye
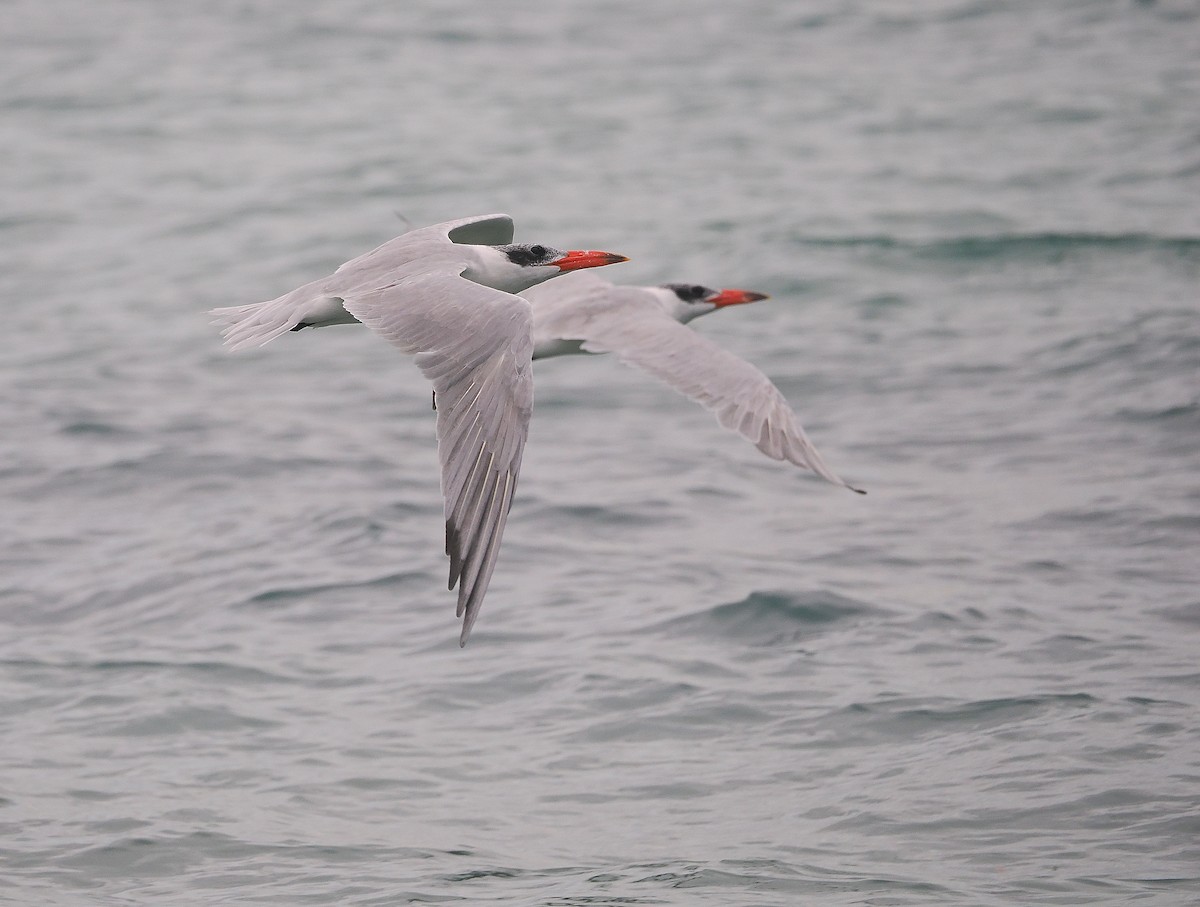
(538, 251)
(687, 292)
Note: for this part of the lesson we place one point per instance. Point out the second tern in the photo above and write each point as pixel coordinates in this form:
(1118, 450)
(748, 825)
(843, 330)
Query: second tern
(644, 327)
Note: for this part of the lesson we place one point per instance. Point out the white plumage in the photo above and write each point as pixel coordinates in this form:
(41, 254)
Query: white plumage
(445, 294)
(644, 327)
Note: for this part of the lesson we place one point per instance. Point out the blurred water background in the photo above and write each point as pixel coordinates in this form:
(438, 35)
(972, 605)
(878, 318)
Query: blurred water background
(229, 671)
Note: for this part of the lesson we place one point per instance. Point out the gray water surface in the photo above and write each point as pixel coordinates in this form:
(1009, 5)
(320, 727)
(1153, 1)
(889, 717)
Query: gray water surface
(229, 671)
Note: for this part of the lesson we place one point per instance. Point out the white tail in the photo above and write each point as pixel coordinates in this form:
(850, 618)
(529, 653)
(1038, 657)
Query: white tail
(253, 325)
(245, 326)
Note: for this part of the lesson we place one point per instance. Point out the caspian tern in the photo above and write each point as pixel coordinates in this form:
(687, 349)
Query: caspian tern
(644, 327)
(446, 295)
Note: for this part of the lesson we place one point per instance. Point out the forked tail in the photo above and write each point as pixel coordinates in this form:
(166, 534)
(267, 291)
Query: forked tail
(244, 326)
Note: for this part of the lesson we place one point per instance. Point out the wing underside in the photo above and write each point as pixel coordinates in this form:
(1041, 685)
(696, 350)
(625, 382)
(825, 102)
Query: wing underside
(743, 399)
(473, 343)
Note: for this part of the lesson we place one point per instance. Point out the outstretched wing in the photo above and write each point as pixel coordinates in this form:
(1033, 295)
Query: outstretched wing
(742, 397)
(474, 344)
(481, 230)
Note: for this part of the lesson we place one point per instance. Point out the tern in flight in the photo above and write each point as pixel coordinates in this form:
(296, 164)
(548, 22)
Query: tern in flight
(644, 327)
(446, 295)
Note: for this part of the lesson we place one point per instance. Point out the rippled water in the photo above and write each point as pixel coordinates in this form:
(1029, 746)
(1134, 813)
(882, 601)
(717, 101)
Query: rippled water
(229, 672)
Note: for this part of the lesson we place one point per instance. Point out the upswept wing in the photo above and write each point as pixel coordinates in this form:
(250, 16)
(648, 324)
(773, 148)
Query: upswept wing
(636, 330)
(365, 271)
(474, 344)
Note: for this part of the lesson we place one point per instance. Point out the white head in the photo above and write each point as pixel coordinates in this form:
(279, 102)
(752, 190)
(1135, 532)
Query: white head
(685, 301)
(514, 267)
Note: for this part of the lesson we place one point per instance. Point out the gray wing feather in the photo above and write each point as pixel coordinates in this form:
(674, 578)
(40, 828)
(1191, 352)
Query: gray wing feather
(438, 239)
(474, 344)
(742, 397)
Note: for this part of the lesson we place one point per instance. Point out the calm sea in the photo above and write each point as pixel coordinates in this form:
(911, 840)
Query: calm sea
(229, 670)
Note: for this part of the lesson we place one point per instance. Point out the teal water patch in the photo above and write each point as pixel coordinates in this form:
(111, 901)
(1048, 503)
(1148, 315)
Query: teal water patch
(280, 596)
(765, 618)
(1044, 247)
(902, 719)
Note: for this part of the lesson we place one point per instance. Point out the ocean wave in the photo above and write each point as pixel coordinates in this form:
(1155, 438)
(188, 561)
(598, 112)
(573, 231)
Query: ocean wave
(1048, 245)
(764, 618)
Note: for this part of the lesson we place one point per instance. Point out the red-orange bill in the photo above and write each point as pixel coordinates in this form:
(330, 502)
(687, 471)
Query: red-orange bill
(577, 259)
(736, 297)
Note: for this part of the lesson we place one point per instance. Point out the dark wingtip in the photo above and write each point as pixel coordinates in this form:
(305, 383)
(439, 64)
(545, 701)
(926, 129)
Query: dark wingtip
(454, 551)
(856, 490)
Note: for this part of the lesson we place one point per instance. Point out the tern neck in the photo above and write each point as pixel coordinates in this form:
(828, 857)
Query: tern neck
(492, 268)
(681, 311)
